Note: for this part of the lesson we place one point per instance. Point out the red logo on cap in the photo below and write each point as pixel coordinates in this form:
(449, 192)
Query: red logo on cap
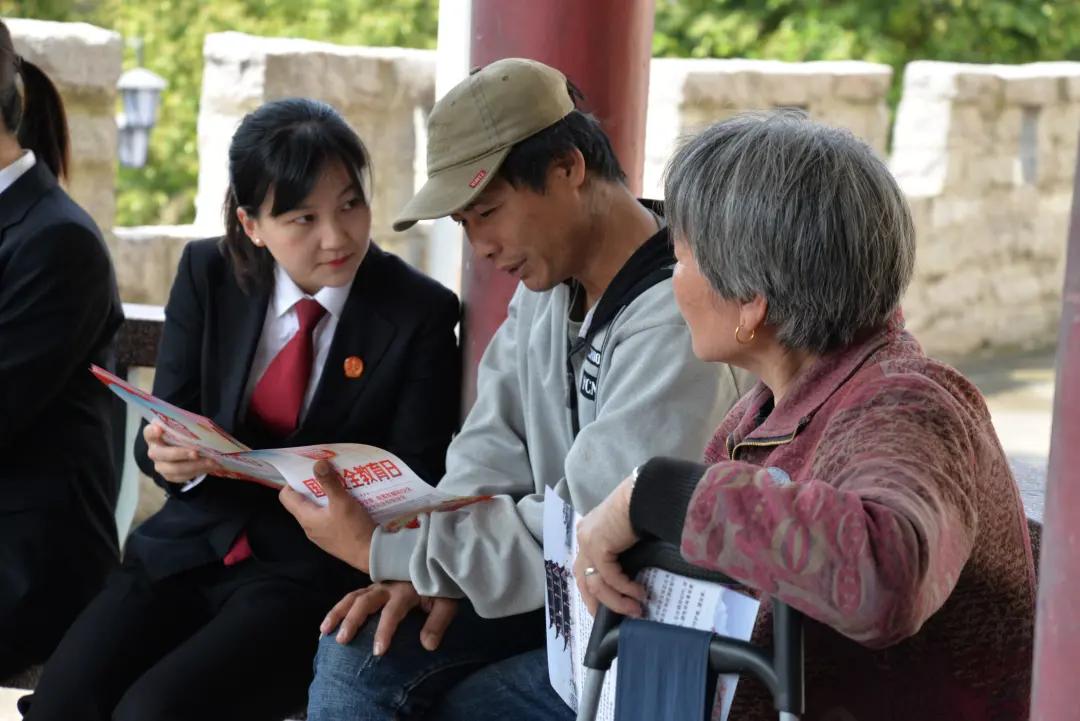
(477, 178)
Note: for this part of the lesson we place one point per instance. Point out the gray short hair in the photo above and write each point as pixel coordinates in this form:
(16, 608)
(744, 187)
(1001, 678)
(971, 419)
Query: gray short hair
(804, 214)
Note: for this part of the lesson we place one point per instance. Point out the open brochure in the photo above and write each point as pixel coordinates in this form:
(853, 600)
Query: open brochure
(390, 491)
(673, 599)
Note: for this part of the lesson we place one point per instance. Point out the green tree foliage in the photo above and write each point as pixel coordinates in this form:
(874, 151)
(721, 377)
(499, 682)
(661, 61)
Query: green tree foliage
(887, 31)
(173, 31)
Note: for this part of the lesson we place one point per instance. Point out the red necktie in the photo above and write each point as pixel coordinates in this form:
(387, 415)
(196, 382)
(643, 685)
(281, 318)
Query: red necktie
(279, 395)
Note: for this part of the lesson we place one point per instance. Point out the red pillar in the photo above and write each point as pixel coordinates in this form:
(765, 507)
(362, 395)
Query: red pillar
(604, 47)
(1057, 624)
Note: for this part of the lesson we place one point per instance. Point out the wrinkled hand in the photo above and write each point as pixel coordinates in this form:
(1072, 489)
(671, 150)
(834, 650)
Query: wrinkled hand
(603, 534)
(174, 463)
(343, 528)
(395, 600)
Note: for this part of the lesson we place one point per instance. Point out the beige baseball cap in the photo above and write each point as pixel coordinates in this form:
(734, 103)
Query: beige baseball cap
(472, 128)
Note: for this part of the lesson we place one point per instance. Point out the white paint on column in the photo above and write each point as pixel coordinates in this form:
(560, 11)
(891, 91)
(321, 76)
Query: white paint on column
(445, 237)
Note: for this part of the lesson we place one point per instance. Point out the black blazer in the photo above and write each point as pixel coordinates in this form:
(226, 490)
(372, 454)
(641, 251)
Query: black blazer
(397, 320)
(59, 311)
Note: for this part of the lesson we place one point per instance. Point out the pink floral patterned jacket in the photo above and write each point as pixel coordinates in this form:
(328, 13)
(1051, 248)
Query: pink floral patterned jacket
(876, 499)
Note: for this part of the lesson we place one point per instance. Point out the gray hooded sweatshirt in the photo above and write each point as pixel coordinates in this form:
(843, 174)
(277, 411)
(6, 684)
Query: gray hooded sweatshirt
(641, 392)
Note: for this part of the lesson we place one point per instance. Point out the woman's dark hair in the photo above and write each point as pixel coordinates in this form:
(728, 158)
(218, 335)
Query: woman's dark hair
(527, 162)
(36, 115)
(282, 148)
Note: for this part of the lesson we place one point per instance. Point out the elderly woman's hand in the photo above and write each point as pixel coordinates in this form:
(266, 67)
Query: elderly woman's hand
(603, 534)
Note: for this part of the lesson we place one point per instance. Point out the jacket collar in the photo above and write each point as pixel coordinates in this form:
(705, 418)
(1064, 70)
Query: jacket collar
(764, 424)
(24, 193)
(243, 315)
(362, 331)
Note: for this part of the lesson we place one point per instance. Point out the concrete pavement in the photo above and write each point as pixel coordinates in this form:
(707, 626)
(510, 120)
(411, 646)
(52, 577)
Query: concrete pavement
(1019, 392)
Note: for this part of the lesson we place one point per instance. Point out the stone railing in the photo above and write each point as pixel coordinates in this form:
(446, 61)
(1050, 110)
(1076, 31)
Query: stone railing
(146, 258)
(986, 155)
(385, 93)
(85, 62)
(685, 95)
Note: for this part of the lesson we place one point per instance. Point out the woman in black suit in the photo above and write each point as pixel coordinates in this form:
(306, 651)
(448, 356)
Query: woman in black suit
(59, 311)
(293, 329)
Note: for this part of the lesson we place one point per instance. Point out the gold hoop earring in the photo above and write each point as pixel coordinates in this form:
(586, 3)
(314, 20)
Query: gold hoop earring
(738, 338)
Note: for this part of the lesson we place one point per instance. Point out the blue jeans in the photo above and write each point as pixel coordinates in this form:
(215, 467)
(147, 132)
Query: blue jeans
(516, 688)
(351, 684)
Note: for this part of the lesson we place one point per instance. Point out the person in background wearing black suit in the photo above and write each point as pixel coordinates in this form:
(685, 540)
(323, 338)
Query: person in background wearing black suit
(59, 311)
(293, 329)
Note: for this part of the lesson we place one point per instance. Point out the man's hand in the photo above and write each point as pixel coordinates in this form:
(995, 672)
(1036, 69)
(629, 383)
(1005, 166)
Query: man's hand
(173, 463)
(343, 528)
(395, 599)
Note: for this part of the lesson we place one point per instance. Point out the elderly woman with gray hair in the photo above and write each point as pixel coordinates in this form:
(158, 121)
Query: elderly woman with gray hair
(860, 481)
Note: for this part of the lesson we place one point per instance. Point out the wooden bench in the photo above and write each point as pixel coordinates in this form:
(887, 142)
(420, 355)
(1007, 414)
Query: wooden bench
(136, 347)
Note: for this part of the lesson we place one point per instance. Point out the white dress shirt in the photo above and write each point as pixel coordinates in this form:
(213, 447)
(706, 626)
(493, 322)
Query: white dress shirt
(280, 325)
(16, 170)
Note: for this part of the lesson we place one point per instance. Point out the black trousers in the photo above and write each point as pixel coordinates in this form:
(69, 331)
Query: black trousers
(231, 643)
(52, 563)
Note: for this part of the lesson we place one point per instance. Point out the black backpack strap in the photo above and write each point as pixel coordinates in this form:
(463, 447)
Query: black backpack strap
(652, 263)
(633, 279)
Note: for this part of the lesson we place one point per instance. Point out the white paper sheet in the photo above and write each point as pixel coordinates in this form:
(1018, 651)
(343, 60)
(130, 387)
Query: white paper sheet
(672, 599)
(390, 491)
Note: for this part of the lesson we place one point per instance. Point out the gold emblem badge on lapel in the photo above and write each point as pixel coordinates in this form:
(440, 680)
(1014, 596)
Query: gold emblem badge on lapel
(354, 366)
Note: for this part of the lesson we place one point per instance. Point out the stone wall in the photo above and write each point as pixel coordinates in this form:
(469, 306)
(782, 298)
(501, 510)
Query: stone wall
(146, 258)
(685, 95)
(85, 62)
(986, 156)
(385, 93)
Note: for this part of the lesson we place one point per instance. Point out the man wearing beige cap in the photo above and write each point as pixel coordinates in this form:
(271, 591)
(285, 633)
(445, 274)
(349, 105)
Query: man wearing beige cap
(591, 374)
